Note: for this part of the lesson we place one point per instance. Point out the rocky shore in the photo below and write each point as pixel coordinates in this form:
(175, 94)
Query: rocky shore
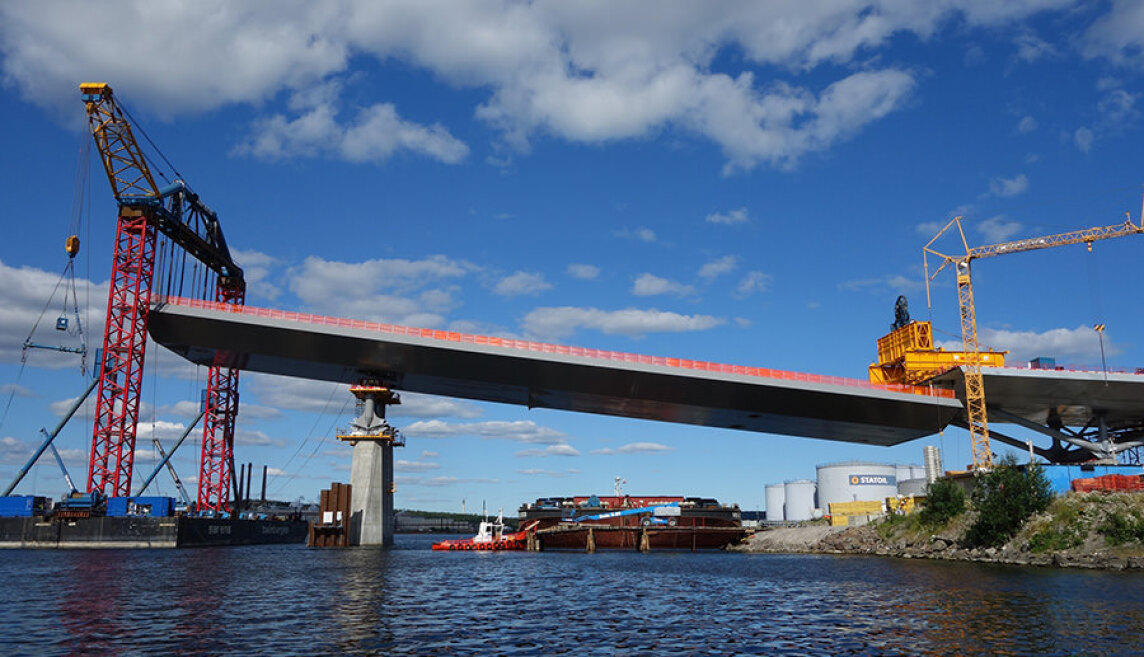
(1079, 518)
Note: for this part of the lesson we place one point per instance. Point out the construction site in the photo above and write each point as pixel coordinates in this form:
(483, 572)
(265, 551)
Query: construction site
(167, 235)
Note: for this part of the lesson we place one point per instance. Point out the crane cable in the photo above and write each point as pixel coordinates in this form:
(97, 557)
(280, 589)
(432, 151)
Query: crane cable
(71, 246)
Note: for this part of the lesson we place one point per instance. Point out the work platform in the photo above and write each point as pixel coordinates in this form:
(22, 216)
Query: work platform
(540, 375)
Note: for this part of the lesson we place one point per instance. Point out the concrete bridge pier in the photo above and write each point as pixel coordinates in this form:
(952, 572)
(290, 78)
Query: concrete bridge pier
(371, 473)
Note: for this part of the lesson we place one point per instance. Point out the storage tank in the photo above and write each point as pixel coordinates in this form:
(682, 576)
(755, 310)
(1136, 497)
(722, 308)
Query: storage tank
(776, 496)
(902, 471)
(913, 487)
(932, 458)
(799, 500)
(917, 472)
(855, 481)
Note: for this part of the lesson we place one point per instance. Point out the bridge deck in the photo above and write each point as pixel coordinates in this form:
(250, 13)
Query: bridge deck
(540, 375)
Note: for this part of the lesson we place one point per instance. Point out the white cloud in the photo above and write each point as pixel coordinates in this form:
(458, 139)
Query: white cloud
(1080, 344)
(410, 292)
(1118, 35)
(583, 272)
(1083, 138)
(521, 431)
(401, 465)
(738, 216)
(13, 389)
(522, 282)
(1009, 186)
(996, 229)
(24, 291)
(562, 449)
(754, 281)
(650, 285)
(374, 134)
(426, 454)
(635, 448)
(561, 322)
(1026, 125)
(718, 267)
(161, 429)
(256, 270)
(1118, 107)
(585, 72)
(1031, 47)
(641, 234)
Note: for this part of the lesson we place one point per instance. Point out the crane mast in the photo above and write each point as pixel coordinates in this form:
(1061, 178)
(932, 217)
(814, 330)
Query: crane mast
(975, 409)
(145, 210)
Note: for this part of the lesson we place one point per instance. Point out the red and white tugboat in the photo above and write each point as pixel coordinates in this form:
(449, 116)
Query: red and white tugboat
(490, 536)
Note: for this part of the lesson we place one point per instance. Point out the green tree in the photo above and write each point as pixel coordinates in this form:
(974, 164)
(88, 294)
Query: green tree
(1005, 497)
(945, 500)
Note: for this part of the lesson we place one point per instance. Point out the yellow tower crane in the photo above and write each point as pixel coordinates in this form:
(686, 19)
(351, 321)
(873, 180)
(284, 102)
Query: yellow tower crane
(974, 385)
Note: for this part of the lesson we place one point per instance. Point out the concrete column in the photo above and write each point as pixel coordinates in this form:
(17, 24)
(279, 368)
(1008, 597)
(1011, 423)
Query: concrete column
(371, 499)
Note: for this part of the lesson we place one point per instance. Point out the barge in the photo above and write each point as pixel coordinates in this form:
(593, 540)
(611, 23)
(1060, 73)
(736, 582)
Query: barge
(632, 522)
(137, 523)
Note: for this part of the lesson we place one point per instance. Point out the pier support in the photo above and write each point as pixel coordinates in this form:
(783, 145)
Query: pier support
(371, 474)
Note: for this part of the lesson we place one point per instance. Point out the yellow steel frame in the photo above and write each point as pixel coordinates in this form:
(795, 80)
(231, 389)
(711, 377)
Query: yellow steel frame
(126, 167)
(975, 409)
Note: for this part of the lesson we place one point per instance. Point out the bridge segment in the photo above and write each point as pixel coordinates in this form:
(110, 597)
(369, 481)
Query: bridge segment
(536, 375)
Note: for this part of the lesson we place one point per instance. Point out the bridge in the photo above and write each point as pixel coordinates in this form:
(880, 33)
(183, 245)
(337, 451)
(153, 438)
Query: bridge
(532, 374)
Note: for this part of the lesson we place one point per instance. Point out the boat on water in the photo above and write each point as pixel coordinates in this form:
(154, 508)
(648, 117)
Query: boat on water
(490, 536)
(642, 522)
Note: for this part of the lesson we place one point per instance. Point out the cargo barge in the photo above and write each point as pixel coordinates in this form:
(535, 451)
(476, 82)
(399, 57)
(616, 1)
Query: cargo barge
(30, 522)
(633, 522)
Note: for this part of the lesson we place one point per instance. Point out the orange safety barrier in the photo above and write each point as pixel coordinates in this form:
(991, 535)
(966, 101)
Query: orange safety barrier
(1108, 483)
(524, 345)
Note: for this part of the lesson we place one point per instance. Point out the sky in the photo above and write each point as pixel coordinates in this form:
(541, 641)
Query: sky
(738, 182)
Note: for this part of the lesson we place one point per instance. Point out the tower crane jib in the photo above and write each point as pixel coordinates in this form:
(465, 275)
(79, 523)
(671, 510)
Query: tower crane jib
(976, 414)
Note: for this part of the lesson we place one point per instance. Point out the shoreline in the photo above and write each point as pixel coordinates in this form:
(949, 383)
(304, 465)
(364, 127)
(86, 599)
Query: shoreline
(865, 540)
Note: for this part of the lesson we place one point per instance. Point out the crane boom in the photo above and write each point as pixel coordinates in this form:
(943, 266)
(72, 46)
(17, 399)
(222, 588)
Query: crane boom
(976, 414)
(146, 209)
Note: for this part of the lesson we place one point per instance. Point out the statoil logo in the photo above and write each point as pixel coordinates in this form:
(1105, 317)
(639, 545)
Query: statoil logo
(872, 480)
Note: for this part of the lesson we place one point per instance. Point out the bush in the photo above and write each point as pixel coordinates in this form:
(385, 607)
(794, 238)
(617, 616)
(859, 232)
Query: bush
(944, 501)
(1120, 528)
(1005, 498)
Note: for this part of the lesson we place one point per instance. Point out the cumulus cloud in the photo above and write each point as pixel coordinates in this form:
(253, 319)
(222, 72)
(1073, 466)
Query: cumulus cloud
(1083, 138)
(521, 431)
(373, 134)
(718, 267)
(647, 285)
(1009, 186)
(520, 283)
(635, 448)
(410, 292)
(641, 234)
(562, 449)
(583, 272)
(1026, 125)
(552, 323)
(738, 216)
(402, 465)
(23, 293)
(1080, 345)
(754, 281)
(997, 229)
(584, 72)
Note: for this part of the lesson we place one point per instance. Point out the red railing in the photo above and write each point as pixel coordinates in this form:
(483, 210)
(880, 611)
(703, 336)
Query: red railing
(548, 348)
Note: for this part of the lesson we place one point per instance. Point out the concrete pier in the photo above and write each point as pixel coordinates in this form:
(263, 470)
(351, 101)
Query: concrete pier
(371, 498)
(371, 472)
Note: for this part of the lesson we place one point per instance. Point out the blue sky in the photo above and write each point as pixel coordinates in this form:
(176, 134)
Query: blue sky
(748, 183)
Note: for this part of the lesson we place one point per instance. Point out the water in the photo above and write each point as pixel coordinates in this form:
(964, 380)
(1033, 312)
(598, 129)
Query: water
(408, 600)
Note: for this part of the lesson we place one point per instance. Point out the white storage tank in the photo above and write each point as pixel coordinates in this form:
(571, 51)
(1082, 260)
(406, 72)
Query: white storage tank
(913, 487)
(799, 500)
(856, 481)
(776, 496)
(917, 472)
(902, 472)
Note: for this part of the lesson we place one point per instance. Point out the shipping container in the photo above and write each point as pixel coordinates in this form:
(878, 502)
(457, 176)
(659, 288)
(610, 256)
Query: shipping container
(23, 506)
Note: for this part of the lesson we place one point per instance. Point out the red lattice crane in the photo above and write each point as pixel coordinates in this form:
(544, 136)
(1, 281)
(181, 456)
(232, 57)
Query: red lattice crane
(145, 211)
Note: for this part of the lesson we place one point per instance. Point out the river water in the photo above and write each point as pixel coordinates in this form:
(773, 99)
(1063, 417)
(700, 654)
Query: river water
(408, 600)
